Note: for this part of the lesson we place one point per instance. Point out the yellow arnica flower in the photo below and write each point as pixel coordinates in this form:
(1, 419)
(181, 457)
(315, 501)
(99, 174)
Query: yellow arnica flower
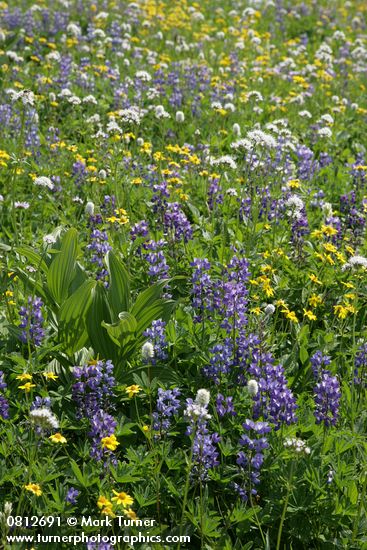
(103, 502)
(27, 387)
(24, 376)
(330, 247)
(329, 230)
(110, 442)
(314, 279)
(341, 311)
(122, 498)
(315, 300)
(130, 514)
(133, 390)
(290, 315)
(107, 511)
(311, 316)
(50, 375)
(294, 184)
(347, 285)
(34, 488)
(57, 438)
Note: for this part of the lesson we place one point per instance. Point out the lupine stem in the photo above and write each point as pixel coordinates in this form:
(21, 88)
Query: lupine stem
(285, 506)
(187, 484)
(361, 504)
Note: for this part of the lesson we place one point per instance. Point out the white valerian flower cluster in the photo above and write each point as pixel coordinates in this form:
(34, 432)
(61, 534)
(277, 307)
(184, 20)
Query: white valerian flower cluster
(131, 115)
(25, 96)
(328, 119)
(295, 206)
(160, 112)
(49, 239)
(13, 56)
(258, 137)
(305, 114)
(355, 262)
(143, 76)
(69, 96)
(198, 409)
(242, 144)
(298, 445)
(325, 132)
(44, 419)
(112, 127)
(43, 181)
(147, 351)
(90, 99)
(74, 30)
(225, 160)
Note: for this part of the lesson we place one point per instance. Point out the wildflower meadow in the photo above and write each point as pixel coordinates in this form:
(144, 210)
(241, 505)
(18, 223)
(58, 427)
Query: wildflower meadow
(183, 254)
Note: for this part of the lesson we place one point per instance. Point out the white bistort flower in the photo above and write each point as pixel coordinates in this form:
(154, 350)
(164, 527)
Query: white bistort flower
(147, 351)
(202, 397)
(252, 387)
(89, 208)
(180, 117)
(327, 209)
(269, 309)
(5, 514)
(236, 129)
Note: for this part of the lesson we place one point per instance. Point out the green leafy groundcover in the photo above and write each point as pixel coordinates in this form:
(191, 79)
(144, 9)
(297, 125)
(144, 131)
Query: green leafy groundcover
(183, 261)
